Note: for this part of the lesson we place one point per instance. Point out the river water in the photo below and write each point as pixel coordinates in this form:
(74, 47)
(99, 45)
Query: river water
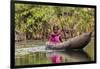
(25, 54)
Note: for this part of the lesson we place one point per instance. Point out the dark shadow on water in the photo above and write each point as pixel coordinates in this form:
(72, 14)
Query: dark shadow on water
(70, 56)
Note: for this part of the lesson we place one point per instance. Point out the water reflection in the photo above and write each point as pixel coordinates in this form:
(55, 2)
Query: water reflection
(52, 57)
(70, 56)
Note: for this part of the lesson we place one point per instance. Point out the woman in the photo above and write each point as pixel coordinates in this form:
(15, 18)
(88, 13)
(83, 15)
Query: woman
(54, 37)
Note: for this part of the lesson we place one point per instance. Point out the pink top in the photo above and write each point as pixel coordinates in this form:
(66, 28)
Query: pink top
(54, 38)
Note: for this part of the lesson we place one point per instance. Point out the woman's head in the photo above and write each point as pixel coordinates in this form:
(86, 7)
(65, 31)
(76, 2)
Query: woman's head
(55, 29)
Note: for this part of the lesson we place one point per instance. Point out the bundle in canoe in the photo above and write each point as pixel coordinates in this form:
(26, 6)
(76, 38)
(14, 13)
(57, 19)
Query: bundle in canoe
(77, 42)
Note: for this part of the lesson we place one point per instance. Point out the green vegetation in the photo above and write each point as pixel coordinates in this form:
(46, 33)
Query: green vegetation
(36, 21)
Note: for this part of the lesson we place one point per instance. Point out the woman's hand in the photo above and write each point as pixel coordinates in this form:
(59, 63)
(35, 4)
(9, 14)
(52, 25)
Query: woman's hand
(59, 32)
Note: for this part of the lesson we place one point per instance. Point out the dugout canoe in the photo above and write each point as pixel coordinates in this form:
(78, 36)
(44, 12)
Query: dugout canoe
(78, 42)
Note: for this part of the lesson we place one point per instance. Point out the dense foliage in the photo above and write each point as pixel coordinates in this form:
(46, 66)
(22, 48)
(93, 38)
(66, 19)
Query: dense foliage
(36, 21)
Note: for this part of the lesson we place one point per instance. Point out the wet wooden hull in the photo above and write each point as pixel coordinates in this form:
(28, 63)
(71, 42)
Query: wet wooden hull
(78, 42)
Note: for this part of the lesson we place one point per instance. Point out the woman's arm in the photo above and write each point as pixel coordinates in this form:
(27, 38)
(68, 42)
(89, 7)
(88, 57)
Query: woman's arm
(59, 32)
(60, 39)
